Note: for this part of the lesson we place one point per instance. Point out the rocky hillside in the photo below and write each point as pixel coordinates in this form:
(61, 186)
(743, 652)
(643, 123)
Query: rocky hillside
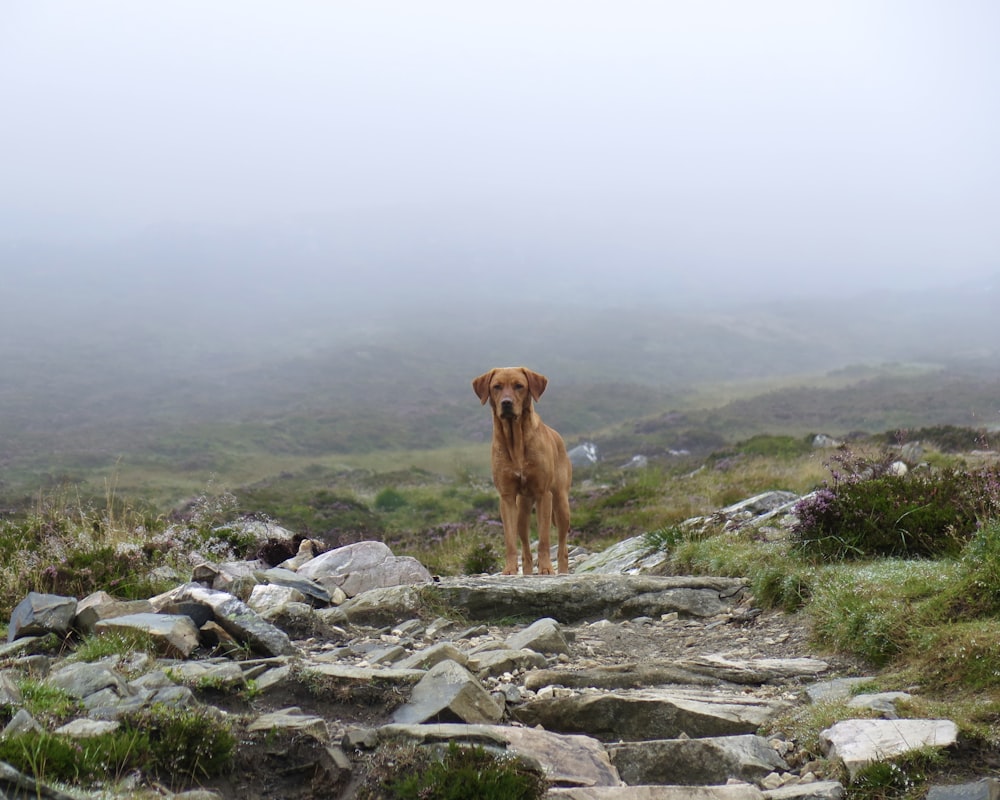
(611, 682)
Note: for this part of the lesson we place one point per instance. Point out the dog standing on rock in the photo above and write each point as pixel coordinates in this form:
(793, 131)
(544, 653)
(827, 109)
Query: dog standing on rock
(530, 467)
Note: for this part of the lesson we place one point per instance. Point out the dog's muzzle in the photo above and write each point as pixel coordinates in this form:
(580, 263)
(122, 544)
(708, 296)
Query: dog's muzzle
(507, 409)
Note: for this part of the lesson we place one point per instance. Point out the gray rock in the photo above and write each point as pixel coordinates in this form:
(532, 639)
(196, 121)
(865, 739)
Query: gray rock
(100, 605)
(496, 662)
(564, 760)
(834, 690)
(448, 692)
(572, 598)
(87, 728)
(317, 594)
(543, 636)
(175, 635)
(739, 791)
(817, 790)
(235, 617)
(22, 722)
(378, 606)
(291, 720)
(363, 566)
(883, 702)
(425, 659)
(80, 679)
(584, 455)
(28, 787)
(265, 596)
(639, 715)
(859, 742)
(696, 761)
(753, 671)
(633, 556)
(40, 614)
(985, 789)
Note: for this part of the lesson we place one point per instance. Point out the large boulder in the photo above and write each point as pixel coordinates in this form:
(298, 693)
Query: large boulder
(363, 566)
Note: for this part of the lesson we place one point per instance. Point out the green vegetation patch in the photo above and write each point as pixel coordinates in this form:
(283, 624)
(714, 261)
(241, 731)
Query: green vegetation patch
(179, 746)
(460, 773)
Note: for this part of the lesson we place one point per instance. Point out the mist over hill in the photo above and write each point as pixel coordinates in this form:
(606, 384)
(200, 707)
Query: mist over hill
(108, 349)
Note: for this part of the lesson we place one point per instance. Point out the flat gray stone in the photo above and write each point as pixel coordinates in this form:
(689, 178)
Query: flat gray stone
(175, 634)
(696, 762)
(38, 614)
(565, 760)
(641, 715)
(859, 742)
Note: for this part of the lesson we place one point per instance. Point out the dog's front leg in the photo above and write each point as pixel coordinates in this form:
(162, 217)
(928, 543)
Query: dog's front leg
(524, 505)
(509, 518)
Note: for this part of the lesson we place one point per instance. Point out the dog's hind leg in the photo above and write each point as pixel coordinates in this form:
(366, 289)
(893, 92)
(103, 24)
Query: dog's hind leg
(560, 512)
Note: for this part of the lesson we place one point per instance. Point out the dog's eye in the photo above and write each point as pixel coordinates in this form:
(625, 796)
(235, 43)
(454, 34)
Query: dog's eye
(519, 386)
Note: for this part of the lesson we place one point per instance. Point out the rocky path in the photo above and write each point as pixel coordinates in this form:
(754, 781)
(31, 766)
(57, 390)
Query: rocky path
(613, 686)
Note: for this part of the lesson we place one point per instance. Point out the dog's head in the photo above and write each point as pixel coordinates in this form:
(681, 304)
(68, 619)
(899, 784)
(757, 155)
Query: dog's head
(510, 390)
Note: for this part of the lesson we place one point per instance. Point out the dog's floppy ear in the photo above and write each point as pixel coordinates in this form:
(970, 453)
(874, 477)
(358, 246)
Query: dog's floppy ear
(536, 383)
(481, 386)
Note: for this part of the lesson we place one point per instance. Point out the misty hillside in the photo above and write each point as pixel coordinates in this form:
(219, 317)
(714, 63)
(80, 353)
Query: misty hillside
(102, 364)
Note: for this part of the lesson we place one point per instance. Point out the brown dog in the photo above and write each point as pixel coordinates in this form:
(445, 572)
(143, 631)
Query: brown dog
(530, 467)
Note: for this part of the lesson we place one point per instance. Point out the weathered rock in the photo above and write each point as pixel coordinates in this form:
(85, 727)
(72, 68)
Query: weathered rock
(859, 742)
(175, 635)
(307, 551)
(497, 662)
(650, 714)
(266, 596)
(238, 619)
(565, 760)
(39, 614)
(363, 566)
(22, 722)
(362, 684)
(425, 659)
(291, 719)
(317, 595)
(543, 636)
(100, 605)
(835, 689)
(741, 791)
(572, 598)
(755, 670)
(28, 787)
(816, 790)
(616, 676)
(583, 455)
(81, 679)
(985, 789)
(87, 728)
(448, 693)
(695, 761)
(377, 606)
(883, 702)
(220, 676)
(633, 556)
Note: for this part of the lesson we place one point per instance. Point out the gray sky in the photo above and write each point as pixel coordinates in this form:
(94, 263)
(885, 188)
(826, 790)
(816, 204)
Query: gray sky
(811, 143)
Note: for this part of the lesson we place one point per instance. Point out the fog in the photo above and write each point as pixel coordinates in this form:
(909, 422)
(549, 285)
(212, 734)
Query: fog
(379, 152)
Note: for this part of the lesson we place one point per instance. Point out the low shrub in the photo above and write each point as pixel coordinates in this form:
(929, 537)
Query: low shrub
(481, 558)
(872, 511)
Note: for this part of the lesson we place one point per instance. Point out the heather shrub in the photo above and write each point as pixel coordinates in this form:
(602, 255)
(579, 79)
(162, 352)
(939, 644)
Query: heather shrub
(871, 511)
